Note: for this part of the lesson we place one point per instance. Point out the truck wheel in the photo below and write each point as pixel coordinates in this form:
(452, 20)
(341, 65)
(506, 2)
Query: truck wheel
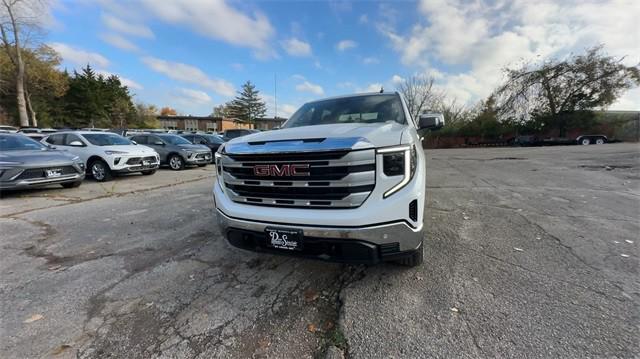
(100, 171)
(585, 141)
(412, 260)
(600, 141)
(176, 162)
(72, 184)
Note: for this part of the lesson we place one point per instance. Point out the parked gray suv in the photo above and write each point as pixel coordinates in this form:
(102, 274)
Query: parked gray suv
(174, 150)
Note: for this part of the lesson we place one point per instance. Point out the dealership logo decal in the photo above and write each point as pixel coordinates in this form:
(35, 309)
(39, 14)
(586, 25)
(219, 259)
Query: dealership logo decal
(282, 170)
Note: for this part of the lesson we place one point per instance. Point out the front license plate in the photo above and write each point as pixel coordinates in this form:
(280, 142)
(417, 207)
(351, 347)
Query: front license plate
(54, 173)
(284, 238)
(146, 163)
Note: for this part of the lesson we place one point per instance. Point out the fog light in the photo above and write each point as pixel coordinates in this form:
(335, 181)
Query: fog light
(413, 210)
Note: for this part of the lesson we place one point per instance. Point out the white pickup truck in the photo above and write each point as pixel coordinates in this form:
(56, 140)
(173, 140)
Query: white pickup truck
(342, 180)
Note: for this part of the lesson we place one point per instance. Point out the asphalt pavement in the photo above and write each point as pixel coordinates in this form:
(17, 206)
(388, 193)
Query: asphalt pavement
(529, 252)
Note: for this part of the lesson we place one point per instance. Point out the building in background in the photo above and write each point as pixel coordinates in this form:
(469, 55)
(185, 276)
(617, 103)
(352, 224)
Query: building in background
(214, 124)
(268, 123)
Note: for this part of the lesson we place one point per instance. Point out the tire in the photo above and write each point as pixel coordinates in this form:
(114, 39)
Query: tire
(585, 141)
(412, 260)
(71, 184)
(100, 171)
(600, 141)
(148, 173)
(202, 165)
(176, 163)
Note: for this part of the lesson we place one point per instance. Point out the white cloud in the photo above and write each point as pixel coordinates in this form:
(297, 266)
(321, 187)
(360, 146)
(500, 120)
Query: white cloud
(189, 74)
(307, 86)
(119, 42)
(397, 80)
(375, 87)
(126, 27)
(192, 96)
(125, 81)
(370, 60)
(296, 47)
(482, 37)
(363, 19)
(298, 77)
(346, 45)
(218, 20)
(78, 56)
(286, 110)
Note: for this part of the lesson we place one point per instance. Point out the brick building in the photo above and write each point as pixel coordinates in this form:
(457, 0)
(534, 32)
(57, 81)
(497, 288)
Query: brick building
(200, 123)
(215, 124)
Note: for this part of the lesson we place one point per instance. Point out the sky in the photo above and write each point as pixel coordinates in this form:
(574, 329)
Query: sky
(192, 55)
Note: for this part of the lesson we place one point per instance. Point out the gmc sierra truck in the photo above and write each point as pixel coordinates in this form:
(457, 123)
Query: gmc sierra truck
(342, 180)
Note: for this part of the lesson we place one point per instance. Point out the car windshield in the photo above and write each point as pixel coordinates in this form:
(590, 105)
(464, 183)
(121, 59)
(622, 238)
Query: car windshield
(213, 138)
(106, 139)
(19, 143)
(175, 140)
(360, 109)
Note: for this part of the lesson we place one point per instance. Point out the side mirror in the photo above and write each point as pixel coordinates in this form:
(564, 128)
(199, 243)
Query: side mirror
(76, 143)
(430, 121)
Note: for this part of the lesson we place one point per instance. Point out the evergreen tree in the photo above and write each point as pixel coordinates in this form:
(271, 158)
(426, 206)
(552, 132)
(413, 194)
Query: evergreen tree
(247, 105)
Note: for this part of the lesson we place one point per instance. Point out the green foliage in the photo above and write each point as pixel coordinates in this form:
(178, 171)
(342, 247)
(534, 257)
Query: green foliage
(95, 101)
(247, 105)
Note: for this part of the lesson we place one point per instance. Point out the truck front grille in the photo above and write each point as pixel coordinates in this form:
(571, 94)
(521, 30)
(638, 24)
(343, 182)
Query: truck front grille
(333, 179)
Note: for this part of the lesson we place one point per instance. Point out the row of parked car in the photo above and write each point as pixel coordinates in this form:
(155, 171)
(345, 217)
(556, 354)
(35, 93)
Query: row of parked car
(65, 157)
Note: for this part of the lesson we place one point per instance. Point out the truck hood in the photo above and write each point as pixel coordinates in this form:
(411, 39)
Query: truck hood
(331, 136)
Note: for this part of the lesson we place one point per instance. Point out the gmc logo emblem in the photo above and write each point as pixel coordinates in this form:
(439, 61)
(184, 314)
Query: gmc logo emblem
(283, 170)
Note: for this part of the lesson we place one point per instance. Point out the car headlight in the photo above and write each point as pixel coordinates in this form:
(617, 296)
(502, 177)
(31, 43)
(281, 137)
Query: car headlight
(398, 161)
(115, 153)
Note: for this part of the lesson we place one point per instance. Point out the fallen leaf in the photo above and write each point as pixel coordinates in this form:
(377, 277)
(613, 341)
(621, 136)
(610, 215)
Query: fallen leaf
(518, 249)
(33, 318)
(264, 343)
(466, 218)
(328, 325)
(311, 328)
(454, 309)
(538, 237)
(310, 295)
(60, 349)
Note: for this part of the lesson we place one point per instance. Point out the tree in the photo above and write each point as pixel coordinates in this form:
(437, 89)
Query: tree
(44, 84)
(419, 94)
(146, 116)
(18, 18)
(222, 110)
(247, 105)
(95, 101)
(168, 111)
(555, 90)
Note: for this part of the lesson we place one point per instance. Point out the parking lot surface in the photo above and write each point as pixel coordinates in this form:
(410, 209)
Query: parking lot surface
(529, 252)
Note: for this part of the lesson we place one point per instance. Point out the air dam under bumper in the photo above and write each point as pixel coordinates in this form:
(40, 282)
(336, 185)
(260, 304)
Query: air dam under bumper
(368, 244)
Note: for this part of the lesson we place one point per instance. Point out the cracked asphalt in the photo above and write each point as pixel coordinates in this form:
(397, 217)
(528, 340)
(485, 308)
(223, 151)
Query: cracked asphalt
(529, 252)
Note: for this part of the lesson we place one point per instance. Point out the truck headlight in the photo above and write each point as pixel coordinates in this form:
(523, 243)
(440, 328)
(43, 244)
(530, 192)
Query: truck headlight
(398, 161)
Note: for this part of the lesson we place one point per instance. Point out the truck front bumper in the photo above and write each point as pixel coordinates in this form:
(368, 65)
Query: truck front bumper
(364, 244)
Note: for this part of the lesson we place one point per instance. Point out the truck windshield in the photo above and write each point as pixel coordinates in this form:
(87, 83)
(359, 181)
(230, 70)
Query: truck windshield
(361, 109)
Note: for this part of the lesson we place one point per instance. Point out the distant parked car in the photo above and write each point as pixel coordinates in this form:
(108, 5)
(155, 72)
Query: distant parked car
(591, 139)
(211, 141)
(105, 153)
(235, 133)
(8, 129)
(25, 163)
(29, 130)
(175, 151)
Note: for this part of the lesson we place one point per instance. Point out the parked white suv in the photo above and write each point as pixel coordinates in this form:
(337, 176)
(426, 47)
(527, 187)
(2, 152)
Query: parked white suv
(105, 153)
(342, 180)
